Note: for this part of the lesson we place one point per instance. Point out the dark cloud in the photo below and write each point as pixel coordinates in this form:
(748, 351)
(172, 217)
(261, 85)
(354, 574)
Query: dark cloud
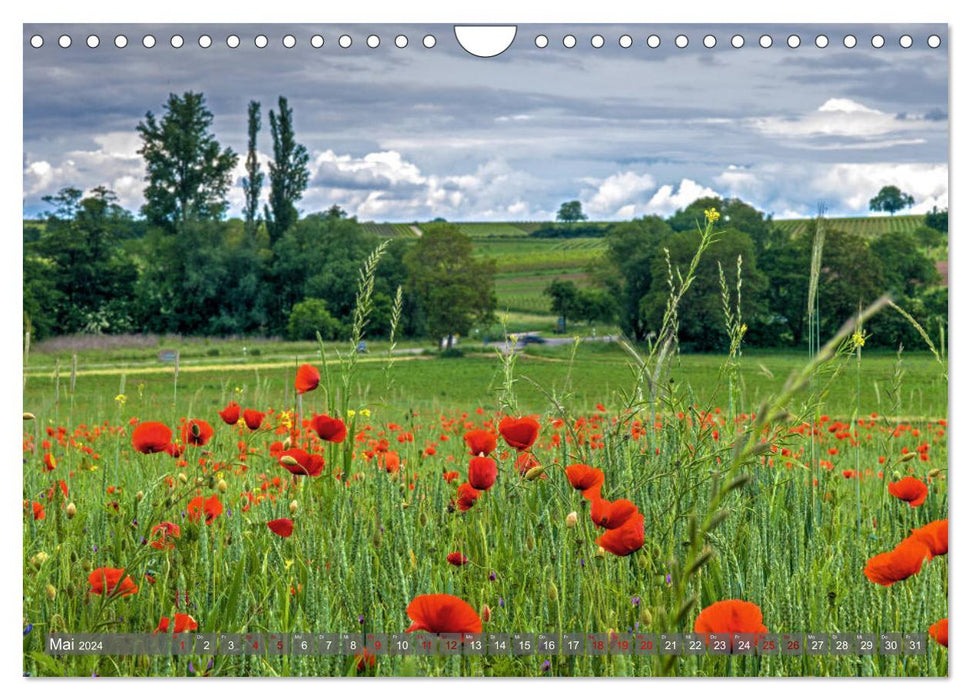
(557, 117)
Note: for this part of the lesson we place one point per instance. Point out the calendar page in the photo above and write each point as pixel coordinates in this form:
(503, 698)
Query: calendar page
(517, 350)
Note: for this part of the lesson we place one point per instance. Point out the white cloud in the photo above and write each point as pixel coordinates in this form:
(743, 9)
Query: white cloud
(115, 163)
(619, 191)
(667, 200)
(795, 190)
(854, 184)
(857, 125)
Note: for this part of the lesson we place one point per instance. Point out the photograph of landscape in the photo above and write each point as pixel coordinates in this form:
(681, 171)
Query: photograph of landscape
(619, 351)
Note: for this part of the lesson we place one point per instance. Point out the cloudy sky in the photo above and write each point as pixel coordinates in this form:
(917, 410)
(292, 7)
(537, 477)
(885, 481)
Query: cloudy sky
(402, 134)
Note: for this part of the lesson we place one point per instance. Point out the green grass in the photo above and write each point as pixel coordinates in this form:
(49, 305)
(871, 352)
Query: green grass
(869, 226)
(598, 373)
(368, 547)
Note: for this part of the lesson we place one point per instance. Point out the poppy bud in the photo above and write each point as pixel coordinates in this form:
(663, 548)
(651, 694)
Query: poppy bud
(293, 507)
(287, 444)
(646, 618)
(200, 481)
(571, 519)
(934, 473)
(552, 592)
(71, 510)
(535, 473)
(909, 456)
(896, 476)
(51, 592)
(288, 461)
(28, 416)
(530, 543)
(183, 478)
(222, 486)
(601, 552)
(486, 614)
(139, 496)
(38, 559)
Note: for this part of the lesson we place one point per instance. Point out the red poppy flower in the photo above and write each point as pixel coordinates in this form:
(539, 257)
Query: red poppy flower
(457, 559)
(210, 506)
(282, 527)
(253, 418)
(626, 539)
(526, 461)
(934, 535)
(905, 560)
(174, 450)
(450, 476)
(482, 473)
(585, 479)
(467, 496)
(230, 414)
(299, 462)
(308, 377)
(365, 660)
(163, 625)
(909, 489)
(938, 631)
(37, 509)
(329, 429)
(480, 442)
(167, 532)
(150, 437)
(730, 617)
(611, 514)
(389, 461)
(196, 432)
(50, 463)
(185, 623)
(519, 433)
(440, 613)
(106, 581)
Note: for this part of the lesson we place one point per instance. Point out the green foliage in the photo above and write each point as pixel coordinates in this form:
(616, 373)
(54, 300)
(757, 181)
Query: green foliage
(891, 200)
(309, 317)
(253, 182)
(628, 268)
(571, 212)
(936, 219)
(905, 267)
(700, 313)
(573, 230)
(455, 289)
(570, 302)
(734, 213)
(930, 237)
(288, 172)
(188, 173)
(76, 277)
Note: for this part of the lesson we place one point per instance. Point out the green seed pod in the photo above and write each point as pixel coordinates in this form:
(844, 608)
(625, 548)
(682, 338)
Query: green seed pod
(535, 473)
(646, 618)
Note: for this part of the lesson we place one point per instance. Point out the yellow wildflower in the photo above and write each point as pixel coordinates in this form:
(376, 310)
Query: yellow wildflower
(712, 215)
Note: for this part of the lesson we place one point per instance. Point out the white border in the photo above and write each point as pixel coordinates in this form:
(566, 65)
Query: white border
(483, 11)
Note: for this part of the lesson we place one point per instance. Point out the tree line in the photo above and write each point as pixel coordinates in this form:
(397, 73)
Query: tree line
(765, 271)
(181, 266)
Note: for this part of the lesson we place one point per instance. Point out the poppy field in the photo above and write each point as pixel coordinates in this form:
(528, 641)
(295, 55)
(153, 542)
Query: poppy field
(303, 501)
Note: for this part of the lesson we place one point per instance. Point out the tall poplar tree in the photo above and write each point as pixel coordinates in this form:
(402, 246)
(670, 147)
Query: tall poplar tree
(288, 173)
(253, 182)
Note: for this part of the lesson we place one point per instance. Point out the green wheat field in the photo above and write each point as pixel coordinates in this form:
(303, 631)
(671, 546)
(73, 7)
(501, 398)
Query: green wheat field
(788, 483)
